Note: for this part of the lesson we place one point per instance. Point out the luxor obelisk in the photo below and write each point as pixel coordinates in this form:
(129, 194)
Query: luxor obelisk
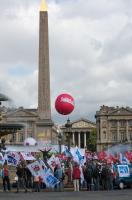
(44, 123)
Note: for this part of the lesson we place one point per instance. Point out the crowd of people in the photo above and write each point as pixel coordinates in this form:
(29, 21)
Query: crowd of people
(96, 176)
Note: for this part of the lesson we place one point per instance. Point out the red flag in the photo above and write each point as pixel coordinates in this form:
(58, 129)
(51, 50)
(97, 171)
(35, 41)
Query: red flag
(102, 155)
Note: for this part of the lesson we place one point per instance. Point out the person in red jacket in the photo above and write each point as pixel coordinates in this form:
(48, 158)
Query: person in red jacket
(76, 177)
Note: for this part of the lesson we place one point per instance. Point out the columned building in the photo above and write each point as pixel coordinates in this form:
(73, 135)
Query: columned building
(78, 133)
(28, 118)
(114, 126)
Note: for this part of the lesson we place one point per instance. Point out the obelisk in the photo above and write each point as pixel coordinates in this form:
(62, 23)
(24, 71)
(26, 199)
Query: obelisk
(44, 124)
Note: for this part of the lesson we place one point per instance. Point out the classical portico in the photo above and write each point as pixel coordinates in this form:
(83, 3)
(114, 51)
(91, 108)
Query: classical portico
(79, 132)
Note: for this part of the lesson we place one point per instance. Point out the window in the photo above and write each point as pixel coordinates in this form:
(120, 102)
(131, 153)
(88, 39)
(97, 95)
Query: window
(130, 123)
(104, 124)
(122, 123)
(14, 137)
(104, 134)
(123, 136)
(113, 124)
(30, 124)
(21, 137)
(130, 136)
(114, 136)
(30, 134)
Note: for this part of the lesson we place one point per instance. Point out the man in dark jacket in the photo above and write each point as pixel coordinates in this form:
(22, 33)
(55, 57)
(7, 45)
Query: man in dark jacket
(88, 175)
(21, 177)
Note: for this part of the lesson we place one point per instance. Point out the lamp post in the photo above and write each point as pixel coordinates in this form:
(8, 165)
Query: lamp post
(68, 126)
(68, 131)
(2, 144)
(59, 139)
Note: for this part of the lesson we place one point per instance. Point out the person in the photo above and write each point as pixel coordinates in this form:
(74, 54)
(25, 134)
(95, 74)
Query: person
(96, 177)
(105, 177)
(110, 178)
(5, 178)
(36, 183)
(58, 173)
(28, 178)
(89, 176)
(76, 177)
(21, 177)
(84, 168)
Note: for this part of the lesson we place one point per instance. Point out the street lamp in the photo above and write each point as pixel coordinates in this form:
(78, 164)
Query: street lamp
(2, 144)
(59, 139)
(68, 131)
(68, 126)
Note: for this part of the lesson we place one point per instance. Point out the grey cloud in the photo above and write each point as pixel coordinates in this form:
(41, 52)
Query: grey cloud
(119, 46)
(92, 9)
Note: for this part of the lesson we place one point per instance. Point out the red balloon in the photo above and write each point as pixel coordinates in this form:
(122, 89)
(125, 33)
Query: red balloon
(64, 104)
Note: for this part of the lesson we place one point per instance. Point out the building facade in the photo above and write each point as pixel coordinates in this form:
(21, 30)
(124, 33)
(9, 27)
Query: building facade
(29, 119)
(114, 126)
(78, 133)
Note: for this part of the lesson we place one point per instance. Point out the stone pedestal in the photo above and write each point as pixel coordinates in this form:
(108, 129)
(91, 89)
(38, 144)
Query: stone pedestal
(44, 131)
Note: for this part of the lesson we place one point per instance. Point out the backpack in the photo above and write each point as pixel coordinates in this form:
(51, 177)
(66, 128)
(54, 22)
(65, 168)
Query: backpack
(95, 173)
(89, 172)
(105, 172)
(63, 176)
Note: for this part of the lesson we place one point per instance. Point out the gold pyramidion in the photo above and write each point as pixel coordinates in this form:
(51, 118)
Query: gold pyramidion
(43, 6)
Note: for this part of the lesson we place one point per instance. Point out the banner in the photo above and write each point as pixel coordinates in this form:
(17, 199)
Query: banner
(80, 157)
(123, 170)
(102, 155)
(2, 160)
(44, 167)
(27, 156)
(81, 175)
(77, 156)
(53, 161)
(36, 169)
(67, 153)
(50, 180)
(13, 158)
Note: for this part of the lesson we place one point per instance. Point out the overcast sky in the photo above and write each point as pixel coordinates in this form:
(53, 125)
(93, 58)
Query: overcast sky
(90, 53)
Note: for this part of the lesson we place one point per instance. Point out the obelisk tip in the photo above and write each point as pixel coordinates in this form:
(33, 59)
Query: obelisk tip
(43, 6)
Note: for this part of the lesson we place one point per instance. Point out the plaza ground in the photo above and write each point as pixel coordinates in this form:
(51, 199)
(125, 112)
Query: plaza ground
(98, 195)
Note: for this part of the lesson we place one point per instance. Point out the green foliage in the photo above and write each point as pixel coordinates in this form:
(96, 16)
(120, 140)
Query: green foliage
(91, 142)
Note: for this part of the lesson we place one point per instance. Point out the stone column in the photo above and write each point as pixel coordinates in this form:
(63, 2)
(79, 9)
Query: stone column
(79, 139)
(17, 137)
(100, 127)
(118, 133)
(73, 139)
(108, 131)
(26, 130)
(127, 135)
(85, 142)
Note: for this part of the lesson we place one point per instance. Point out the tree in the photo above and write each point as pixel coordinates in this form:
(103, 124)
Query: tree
(91, 141)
